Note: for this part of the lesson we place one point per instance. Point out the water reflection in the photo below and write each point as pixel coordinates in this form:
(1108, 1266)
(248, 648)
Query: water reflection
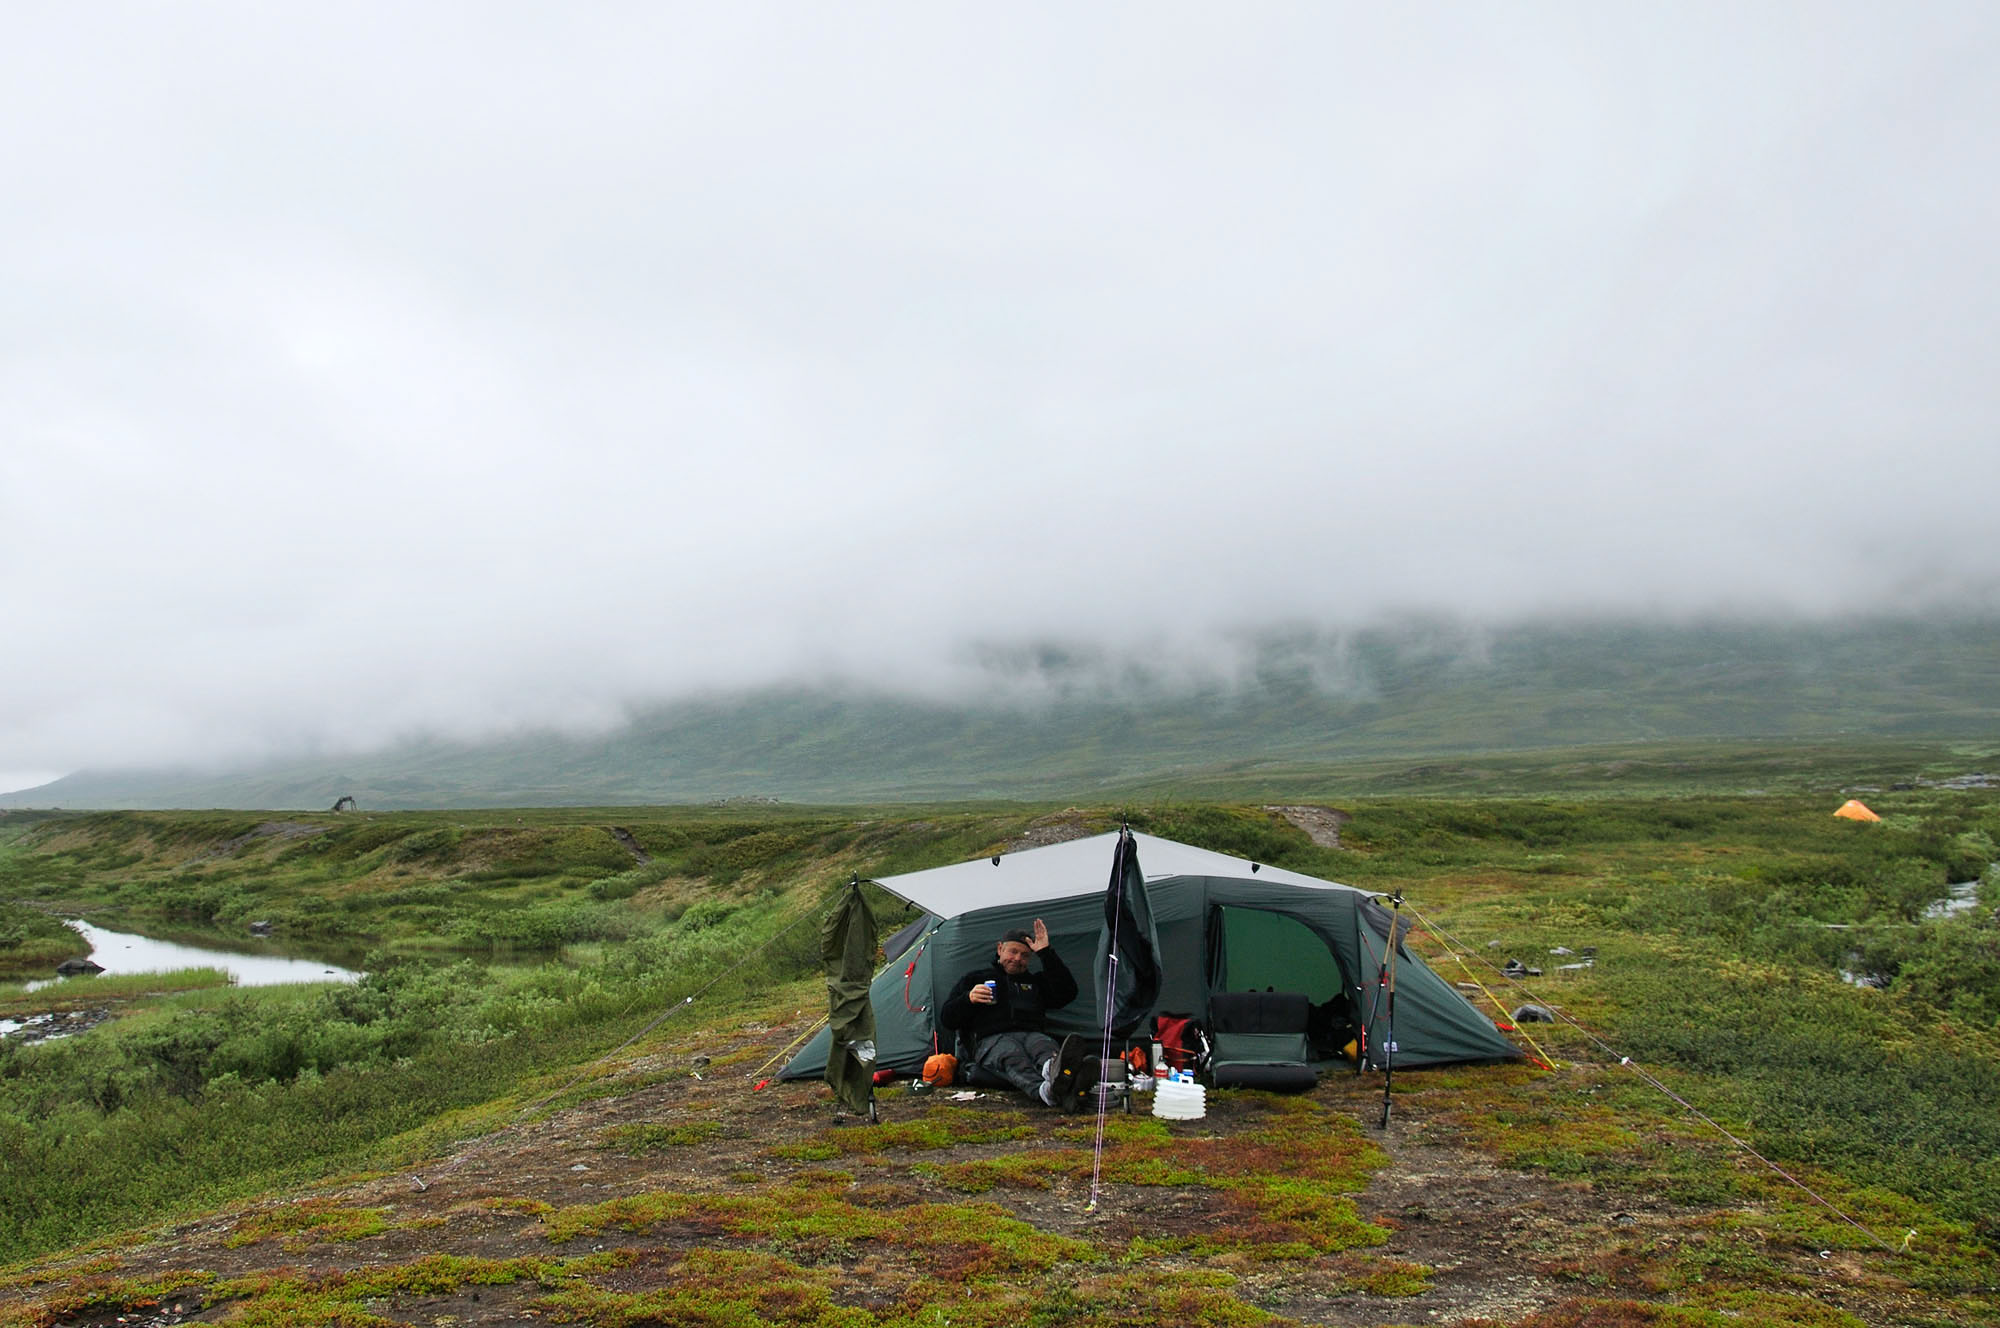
(126, 952)
(1960, 898)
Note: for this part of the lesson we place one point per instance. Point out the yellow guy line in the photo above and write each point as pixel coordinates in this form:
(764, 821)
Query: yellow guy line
(1547, 1062)
(811, 1029)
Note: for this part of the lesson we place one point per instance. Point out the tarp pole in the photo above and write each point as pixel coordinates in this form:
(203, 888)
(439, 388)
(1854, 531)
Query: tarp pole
(1389, 1031)
(1114, 912)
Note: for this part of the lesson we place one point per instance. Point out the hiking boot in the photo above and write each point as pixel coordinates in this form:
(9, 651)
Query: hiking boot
(1057, 1075)
(1049, 1070)
(1076, 1073)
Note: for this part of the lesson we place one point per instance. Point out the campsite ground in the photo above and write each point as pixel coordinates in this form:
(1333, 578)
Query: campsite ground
(450, 1142)
(668, 1191)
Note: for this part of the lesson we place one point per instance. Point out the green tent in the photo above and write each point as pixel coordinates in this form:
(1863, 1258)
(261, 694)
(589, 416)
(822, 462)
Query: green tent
(1223, 923)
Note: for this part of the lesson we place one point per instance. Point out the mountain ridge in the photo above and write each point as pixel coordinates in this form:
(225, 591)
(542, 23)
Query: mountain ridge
(1052, 726)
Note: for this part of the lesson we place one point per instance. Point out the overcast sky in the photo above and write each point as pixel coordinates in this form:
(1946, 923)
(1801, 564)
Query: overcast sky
(368, 370)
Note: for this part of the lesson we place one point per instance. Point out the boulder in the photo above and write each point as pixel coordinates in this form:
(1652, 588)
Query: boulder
(70, 968)
(1534, 1014)
(260, 929)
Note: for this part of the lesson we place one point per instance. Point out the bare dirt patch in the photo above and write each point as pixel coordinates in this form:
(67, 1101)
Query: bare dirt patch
(625, 837)
(1057, 828)
(278, 831)
(1321, 824)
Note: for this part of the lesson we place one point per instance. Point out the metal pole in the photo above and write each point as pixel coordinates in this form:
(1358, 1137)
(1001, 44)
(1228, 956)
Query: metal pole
(1389, 1040)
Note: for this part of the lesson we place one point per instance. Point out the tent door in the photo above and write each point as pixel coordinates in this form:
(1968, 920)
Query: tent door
(1251, 949)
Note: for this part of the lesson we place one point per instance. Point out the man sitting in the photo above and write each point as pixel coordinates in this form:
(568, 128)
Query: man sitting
(1002, 1011)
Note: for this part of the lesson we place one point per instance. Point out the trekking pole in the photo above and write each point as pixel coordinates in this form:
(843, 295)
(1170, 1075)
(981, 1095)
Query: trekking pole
(1361, 1024)
(1389, 1030)
(1368, 1012)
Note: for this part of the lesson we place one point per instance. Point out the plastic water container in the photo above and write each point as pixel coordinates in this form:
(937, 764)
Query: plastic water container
(1179, 1100)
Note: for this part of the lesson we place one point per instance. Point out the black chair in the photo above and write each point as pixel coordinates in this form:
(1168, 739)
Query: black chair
(1258, 1040)
(970, 1073)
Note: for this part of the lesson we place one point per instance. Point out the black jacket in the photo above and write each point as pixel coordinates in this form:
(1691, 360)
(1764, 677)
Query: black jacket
(1020, 1004)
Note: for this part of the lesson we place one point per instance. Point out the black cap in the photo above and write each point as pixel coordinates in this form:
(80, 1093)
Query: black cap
(1018, 935)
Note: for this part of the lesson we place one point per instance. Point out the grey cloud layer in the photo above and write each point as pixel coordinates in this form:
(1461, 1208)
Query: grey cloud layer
(384, 371)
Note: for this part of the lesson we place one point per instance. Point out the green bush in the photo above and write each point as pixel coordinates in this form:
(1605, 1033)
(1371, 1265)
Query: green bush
(1952, 965)
(225, 1092)
(33, 940)
(1829, 1075)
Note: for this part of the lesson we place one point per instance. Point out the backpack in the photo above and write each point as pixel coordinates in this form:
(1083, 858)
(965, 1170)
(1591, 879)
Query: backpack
(1183, 1044)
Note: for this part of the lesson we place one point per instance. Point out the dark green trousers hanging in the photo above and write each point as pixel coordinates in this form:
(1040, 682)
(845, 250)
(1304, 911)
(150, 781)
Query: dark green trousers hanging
(847, 947)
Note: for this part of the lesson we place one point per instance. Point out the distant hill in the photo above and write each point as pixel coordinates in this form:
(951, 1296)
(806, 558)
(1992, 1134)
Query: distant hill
(1304, 700)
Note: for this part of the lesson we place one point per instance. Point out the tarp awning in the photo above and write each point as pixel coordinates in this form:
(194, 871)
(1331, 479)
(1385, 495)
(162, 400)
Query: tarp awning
(1064, 871)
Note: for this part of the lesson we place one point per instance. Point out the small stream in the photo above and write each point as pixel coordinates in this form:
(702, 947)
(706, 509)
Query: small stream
(251, 963)
(254, 963)
(1961, 897)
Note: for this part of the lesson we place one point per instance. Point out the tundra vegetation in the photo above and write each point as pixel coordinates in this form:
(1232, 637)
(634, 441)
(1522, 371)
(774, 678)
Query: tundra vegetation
(512, 957)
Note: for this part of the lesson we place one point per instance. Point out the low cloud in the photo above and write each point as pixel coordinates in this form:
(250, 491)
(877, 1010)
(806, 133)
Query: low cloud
(370, 374)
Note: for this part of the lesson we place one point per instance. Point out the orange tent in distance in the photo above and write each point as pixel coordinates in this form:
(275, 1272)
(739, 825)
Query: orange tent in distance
(1853, 810)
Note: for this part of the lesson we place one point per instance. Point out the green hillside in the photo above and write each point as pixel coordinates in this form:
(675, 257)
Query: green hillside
(1313, 714)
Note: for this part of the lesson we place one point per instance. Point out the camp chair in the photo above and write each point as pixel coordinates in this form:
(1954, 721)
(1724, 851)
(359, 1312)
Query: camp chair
(1258, 1040)
(971, 1074)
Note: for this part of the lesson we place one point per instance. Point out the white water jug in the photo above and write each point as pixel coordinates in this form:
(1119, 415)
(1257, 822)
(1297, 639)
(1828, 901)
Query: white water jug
(1179, 1099)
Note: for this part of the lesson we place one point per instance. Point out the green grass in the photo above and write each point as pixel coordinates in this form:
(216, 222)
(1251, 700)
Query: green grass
(77, 993)
(198, 1097)
(648, 1137)
(1720, 920)
(32, 942)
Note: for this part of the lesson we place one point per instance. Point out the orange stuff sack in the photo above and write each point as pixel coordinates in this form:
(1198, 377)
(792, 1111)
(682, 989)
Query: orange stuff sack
(941, 1069)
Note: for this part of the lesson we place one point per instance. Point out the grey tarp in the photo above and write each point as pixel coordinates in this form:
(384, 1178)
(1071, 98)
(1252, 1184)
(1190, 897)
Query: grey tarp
(1127, 971)
(847, 947)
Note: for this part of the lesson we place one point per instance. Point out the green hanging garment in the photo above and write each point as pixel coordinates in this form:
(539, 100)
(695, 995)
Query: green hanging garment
(847, 947)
